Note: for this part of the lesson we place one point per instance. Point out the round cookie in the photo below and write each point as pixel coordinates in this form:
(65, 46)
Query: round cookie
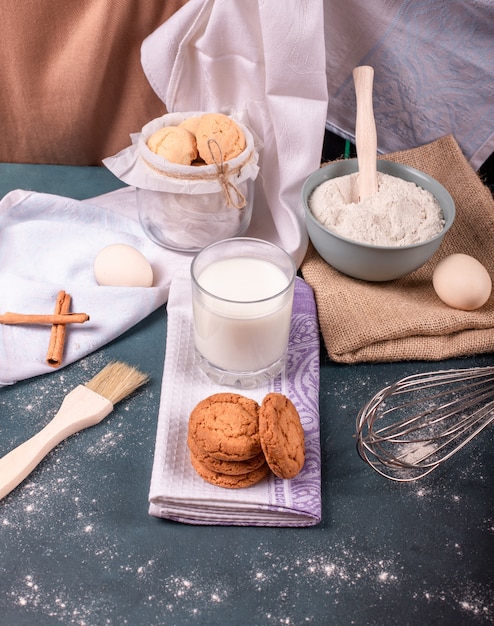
(232, 468)
(175, 144)
(226, 135)
(282, 435)
(190, 123)
(229, 482)
(226, 426)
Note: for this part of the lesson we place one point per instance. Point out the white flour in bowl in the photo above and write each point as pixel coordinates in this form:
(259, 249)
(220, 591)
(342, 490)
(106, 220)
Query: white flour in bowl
(399, 214)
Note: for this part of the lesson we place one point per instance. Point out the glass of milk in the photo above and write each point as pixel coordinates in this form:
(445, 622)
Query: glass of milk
(242, 296)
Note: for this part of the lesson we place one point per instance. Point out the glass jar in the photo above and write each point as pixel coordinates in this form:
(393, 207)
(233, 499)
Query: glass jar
(188, 207)
(189, 222)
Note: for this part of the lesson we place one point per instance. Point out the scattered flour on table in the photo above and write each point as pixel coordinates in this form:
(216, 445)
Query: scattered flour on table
(399, 214)
(345, 566)
(55, 512)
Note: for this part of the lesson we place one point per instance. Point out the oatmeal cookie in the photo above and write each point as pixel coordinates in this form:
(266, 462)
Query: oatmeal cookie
(232, 468)
(225, 135)
(226, 427)
(175, 144)
(282, 435)
(238, 481)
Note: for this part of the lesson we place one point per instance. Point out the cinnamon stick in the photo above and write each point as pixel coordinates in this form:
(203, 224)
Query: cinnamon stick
(58, 320)
(24, 318)
(57, 337)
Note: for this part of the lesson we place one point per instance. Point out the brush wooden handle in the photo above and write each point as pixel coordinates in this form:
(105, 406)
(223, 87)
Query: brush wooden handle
(365, 132)
(80, 409)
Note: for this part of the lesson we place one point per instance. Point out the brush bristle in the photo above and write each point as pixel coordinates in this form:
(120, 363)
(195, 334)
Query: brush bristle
(116, 381)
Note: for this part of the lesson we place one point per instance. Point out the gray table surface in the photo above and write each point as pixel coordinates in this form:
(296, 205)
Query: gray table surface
(77, 545)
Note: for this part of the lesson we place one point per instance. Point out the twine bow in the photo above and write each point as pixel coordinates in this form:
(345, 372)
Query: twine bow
(227, 186)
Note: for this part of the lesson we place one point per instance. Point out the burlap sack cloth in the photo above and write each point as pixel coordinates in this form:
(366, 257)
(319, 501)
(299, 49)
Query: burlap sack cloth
(404, 319)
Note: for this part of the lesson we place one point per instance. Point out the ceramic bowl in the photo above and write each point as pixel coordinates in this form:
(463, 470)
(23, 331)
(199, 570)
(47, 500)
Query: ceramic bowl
(367, 261)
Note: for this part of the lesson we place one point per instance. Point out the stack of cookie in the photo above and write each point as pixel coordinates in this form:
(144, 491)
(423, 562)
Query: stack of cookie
(198, 140)
(235, 443)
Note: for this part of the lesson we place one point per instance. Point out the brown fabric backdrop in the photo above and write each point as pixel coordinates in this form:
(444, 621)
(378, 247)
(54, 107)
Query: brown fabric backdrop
(404, 319)
(72, 85)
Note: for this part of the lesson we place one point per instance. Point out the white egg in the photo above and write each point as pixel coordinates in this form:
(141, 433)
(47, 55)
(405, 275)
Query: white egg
(121, 265)
(462, 282)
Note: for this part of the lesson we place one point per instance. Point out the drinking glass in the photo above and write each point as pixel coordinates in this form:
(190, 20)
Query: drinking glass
(242, 296)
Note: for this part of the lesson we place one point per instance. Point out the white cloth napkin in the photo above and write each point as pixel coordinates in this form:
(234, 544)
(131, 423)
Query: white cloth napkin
(265, 63)
(48, 243)
(176, 491)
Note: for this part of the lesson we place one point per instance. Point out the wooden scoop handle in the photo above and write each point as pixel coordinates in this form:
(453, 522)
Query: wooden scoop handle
(365, 132)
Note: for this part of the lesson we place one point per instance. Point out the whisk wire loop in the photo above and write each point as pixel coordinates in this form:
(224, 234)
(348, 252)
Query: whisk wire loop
(413, 425)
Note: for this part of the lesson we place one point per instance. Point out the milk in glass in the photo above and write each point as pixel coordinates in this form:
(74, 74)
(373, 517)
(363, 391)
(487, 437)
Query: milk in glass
(242, 316)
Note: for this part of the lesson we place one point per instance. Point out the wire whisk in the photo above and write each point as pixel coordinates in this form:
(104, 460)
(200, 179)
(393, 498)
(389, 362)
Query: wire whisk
(412, 426)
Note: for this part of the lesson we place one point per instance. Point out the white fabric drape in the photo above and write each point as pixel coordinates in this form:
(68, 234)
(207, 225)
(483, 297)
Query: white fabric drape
(265, 61)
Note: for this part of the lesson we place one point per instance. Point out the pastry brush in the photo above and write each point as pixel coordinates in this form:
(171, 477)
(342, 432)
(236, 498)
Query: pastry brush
(86, 405)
